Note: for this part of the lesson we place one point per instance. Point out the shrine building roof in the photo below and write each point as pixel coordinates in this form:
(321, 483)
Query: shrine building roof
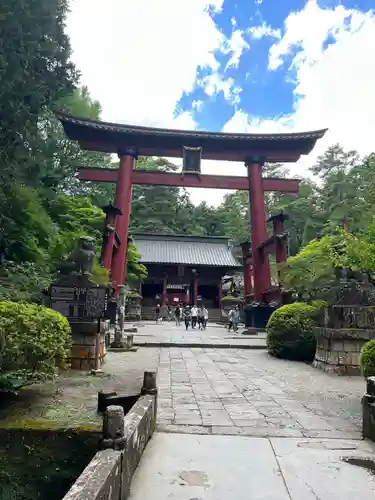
(149, 141)
(185, 250)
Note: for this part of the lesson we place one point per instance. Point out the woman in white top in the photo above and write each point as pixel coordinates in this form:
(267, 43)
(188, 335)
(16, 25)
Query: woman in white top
(194, 316)
(205, 317)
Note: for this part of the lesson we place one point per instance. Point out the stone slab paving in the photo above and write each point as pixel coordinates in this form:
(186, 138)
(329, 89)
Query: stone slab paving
(191, 467)
(242, 392)
(168, 334)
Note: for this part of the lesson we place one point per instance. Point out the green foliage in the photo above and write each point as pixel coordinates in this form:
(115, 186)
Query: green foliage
(39, 461)
(367, 359)
(290, 332)
(311, 272)
(27, 281)
(136, 272)
(35, 72)
(34, 342)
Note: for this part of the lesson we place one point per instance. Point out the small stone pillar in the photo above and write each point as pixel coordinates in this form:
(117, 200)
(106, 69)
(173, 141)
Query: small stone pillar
(119, 340)
(114, 428)
(149, 383)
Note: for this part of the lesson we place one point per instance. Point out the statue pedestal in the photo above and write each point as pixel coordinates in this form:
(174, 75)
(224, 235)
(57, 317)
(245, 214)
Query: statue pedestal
(84, 344)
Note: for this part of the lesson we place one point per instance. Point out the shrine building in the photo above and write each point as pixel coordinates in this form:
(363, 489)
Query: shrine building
(184, 268)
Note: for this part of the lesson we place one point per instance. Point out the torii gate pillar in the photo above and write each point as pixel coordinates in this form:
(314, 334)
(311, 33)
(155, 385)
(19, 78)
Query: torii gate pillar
(123, 199)
(261, 264)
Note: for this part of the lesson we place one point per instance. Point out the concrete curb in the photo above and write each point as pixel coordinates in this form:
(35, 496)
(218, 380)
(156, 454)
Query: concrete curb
(198, 345)
(110, 472)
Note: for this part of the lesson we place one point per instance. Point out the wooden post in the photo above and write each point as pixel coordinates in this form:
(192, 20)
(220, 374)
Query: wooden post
(220, 287)
(123, 202)
(195, 292)
(109, 235)
(164, 291)
(261, 265)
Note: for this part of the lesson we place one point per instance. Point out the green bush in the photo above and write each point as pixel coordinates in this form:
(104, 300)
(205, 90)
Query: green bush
(367, 359)
(290, 332)
(34, 343)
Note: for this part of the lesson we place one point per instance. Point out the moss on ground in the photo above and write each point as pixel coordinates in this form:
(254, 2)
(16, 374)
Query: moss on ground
(39, 461)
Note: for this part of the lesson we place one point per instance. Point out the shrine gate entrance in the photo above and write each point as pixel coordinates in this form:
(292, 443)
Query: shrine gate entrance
(254, 150)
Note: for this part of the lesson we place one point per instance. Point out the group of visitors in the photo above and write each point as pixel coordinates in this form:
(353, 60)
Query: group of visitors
(195, 316)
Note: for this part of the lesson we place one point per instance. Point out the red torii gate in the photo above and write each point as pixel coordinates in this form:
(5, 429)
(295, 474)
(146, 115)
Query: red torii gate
(129, 142)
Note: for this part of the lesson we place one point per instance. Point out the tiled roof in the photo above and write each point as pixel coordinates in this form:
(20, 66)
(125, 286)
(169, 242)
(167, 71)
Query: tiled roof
(185, 250)
(137, 129)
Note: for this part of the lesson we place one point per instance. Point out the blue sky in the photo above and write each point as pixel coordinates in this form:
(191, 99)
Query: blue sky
(232, 65)
(265, 94)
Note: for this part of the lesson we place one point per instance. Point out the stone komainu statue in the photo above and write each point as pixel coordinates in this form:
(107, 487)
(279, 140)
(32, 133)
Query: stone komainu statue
(81, 259)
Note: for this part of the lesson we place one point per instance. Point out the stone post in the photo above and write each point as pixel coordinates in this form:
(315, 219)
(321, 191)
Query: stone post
(120, 323)
(114, 428)
(149, 383)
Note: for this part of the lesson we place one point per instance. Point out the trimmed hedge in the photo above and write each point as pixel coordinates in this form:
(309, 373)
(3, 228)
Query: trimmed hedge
(290, 332)
(367, 359)
(34, 342)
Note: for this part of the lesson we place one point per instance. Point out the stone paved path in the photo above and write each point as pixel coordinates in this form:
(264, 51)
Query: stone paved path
(191, 467)
(168, 334)
(245, 392)
(238, 424)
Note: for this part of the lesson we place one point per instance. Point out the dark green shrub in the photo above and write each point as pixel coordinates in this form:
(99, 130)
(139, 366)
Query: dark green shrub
(367, 359)
(290, 332)
(34, 342)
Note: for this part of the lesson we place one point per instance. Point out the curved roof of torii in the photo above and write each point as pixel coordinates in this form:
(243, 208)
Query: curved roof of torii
(148, 141)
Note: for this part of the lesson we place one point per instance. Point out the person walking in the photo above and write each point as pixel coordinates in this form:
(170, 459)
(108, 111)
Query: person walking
(194, 316)
(187, 316)
(200, 318)
(177, 315)
(205, 317)
(157, 313)
(236, 318)
(230, 318)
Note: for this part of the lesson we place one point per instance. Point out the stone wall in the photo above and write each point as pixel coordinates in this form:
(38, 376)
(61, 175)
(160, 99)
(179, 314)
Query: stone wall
(100, 480)
(108, 476)
(84, 344)
(338, 349)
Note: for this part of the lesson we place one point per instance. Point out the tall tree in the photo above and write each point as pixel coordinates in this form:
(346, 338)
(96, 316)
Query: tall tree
(35, 72)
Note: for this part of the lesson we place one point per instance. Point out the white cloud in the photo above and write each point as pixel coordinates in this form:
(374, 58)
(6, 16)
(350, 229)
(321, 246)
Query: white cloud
(258, 32)
(334, 84)
(138, 56)
(197, 105)
(234, 46)
(214, 84)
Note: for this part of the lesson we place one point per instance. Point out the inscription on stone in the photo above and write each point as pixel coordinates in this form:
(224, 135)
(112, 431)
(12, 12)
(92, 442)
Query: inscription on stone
(79, 302)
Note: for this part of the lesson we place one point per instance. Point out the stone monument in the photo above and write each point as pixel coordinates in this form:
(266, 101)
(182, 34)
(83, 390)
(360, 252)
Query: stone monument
(83, 302)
